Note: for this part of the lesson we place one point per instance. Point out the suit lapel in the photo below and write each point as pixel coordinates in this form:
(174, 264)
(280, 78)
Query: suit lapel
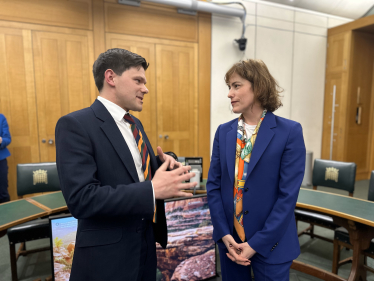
(231, 149)
(265, 134)
(114, 135)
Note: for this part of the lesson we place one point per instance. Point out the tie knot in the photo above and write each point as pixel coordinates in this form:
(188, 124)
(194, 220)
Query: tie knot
(129, 119)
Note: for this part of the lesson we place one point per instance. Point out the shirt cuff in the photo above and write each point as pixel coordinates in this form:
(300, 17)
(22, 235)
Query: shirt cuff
(154, 202)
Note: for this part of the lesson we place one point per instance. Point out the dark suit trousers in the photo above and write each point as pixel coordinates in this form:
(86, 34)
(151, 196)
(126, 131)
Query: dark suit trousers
(148, 259)
(4, 195)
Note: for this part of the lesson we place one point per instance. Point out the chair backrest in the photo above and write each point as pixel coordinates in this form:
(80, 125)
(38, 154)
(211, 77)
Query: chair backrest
(37, 177)
(371, 187)
(335, 174)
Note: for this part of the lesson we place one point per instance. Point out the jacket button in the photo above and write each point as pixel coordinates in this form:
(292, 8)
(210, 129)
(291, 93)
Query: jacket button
(246, 189)
(246, 212)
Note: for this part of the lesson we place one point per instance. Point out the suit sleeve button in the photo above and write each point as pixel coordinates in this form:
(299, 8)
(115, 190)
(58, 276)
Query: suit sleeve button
(246, 212)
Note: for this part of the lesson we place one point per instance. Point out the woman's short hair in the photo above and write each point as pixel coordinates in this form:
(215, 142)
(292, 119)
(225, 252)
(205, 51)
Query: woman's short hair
(265, 87)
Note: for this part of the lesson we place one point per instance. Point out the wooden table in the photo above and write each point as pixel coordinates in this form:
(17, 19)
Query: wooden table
(356, 215)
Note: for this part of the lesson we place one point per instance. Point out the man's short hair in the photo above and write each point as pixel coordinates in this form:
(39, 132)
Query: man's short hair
(118, 60)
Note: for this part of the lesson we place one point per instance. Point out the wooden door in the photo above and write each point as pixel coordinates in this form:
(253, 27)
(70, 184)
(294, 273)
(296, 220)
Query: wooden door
(337, 71)
(63, 79)
(359, 103)
(148, 115)
(170, 111)
(177, 93)
(338, 133)
(338, 52)
(17, 99)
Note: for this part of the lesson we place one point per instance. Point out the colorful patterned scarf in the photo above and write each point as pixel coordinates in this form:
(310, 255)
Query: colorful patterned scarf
(244, 146)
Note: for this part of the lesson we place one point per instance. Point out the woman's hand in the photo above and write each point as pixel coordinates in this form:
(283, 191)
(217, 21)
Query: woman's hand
(246, 251)
(234, 253)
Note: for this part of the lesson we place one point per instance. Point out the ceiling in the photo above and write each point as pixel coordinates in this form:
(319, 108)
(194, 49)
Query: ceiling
(352, 9)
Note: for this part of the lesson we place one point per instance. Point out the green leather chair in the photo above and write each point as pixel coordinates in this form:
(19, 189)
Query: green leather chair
(341, 239)
(31, 178)
(36, 178)
(334, 174)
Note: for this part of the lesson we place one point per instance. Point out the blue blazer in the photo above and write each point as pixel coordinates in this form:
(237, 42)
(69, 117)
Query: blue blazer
(4, 133)
(101, 187)
(275, 173)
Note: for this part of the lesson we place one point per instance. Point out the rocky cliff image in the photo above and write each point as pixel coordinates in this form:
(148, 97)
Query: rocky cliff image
(63, 259)
(190, 253)
(64, 232)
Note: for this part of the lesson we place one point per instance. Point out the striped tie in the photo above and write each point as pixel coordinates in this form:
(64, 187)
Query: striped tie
(141, 146)
(143, 149)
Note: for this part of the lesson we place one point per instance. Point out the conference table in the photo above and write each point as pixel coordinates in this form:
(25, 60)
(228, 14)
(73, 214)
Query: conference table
(23, 210)
(356, 215)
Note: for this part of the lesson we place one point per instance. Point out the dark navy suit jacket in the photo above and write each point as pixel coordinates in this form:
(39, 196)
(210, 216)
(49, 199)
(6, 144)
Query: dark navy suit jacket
(4, 133)
(275, 173)
(102, 190)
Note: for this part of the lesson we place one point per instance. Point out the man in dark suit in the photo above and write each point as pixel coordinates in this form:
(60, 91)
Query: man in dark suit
(111, 179)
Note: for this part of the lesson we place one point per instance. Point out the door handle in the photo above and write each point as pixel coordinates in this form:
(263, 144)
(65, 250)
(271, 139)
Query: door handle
(166, 137)
(50, 141)
(44, 141)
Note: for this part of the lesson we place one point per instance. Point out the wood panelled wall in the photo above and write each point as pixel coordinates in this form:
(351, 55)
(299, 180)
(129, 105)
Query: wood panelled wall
(47, 48)
(350, 62)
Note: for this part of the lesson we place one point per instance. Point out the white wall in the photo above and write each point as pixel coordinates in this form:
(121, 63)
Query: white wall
(292, 43)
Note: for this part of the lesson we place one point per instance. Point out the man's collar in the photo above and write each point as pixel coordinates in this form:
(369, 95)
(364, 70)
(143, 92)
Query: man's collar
(115, 110)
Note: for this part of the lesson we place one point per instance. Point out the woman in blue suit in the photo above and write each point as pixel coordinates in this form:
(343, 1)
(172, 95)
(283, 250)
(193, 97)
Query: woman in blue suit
(4, 153)
(255, 174)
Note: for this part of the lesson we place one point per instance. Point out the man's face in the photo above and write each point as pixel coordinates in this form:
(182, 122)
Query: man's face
(130, 89)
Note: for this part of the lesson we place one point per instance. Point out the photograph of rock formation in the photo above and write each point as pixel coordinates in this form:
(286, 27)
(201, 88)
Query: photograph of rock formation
(64, 232)
(190, 253)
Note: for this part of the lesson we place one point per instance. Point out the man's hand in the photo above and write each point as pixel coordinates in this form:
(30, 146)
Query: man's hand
(173, 163)
(1, 140)
(246, 250)
(169, 184)
(234, 253)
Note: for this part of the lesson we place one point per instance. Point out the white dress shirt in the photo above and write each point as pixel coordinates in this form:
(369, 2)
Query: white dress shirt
(118, 113)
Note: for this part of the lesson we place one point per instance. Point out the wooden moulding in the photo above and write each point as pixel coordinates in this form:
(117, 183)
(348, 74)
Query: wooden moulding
(37, 204)
(315, 271)
(150, 21)
(73, 13)
(98, 27)
(366, 24)
(204, 68)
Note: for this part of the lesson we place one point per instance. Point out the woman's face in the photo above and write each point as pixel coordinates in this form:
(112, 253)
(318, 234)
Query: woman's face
(240, 93)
